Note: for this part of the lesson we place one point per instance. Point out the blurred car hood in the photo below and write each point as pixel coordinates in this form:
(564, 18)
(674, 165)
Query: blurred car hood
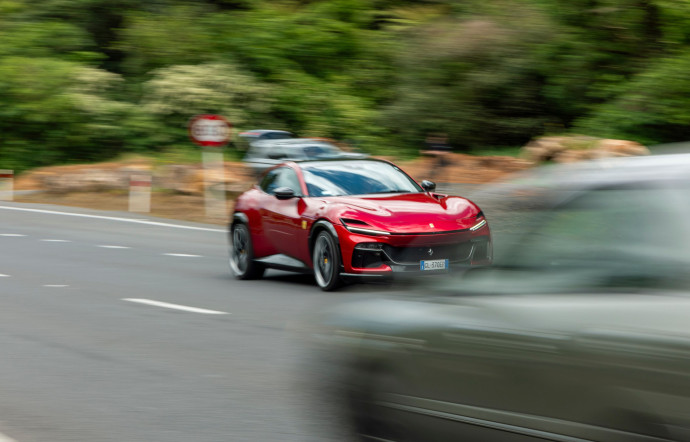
(615, 316)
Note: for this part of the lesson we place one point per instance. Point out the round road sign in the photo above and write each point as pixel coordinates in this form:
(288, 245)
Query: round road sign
(209, 130)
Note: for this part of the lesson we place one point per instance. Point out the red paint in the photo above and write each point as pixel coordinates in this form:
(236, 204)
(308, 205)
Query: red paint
(413, 219)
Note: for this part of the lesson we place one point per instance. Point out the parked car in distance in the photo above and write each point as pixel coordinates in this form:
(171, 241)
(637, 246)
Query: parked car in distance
(247, 138)
(353, 218)
(265, 154)
(579, 332)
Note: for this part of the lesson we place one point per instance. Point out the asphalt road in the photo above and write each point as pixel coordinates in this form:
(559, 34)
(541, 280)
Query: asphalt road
(121, 330)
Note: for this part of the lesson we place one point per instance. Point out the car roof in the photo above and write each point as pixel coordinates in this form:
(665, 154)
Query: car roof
(309, 163)
(294, 141)
(262, 131)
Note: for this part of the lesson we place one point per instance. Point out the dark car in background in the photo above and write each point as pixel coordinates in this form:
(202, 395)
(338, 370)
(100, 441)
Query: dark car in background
(247, 138)
(265, 154)
(580, 331)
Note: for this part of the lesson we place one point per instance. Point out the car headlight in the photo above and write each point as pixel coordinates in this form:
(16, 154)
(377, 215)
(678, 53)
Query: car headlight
(356, 226)
(481, 222)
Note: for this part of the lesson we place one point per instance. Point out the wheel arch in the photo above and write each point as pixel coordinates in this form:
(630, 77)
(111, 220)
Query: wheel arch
(318, 226)
(237, 217)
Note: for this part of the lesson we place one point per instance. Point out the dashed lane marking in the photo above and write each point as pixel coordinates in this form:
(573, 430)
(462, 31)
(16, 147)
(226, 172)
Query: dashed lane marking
(10, 234)
(182, 255)
(54, 285)
(4, 438)
(113, 218)
(174, 307)
(2, 275)
(56, 240)
(105, 246)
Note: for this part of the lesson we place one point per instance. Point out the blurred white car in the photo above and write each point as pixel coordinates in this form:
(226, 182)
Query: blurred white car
(265, 154)
(247, 138)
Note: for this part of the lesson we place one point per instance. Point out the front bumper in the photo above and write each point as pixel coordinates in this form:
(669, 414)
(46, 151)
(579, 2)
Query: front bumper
(376, 256)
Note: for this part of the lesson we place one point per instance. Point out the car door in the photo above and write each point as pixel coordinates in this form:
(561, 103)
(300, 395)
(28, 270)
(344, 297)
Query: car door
(283, 218)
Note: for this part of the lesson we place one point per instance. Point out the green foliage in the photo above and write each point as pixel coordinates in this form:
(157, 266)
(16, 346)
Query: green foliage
(85, 80)
(57, 111)
(473, 79)
(174, 94)
(151, 40)
(654, 107)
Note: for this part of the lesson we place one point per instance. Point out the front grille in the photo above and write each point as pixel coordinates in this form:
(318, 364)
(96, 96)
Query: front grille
(481, 251)
(412, 255)
(366, 259)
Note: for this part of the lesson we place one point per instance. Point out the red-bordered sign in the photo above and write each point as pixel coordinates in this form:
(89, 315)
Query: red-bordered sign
(210, 130)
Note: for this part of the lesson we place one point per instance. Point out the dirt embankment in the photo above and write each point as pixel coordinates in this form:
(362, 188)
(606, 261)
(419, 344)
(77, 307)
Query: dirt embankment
(178, 190)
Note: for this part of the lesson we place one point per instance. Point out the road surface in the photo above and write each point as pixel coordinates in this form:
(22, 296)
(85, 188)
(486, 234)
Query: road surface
(118, 327)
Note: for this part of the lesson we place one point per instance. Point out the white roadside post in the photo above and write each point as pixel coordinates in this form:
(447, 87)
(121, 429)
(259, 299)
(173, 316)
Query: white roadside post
(214, 175)
(6, 185)
(212, 132)
(140, 193)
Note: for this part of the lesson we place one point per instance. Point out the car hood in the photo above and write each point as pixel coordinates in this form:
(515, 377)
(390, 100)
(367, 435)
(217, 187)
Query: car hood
(609, 317)
(407, 212)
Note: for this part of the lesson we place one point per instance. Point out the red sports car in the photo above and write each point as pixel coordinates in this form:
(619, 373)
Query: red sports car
(353, 218)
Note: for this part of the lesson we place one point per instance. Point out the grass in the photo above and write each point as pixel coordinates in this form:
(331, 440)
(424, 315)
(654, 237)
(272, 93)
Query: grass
(176, 155)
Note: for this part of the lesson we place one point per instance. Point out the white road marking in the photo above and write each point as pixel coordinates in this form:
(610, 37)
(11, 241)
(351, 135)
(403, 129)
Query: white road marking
(2, 275)
(4, 438)
(113, 218)
(54, 285)
(10, 234)
(56, 240)
(174, 306)
(183, 255)
(112, 247)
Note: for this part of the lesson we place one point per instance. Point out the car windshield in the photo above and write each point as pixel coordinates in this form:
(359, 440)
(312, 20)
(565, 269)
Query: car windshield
(338, 178)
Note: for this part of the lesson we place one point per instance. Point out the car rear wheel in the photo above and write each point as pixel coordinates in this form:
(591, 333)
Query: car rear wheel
(326, 259)
(242, 254)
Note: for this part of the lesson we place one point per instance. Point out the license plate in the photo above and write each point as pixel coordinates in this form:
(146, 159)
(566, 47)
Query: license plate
(436, 264)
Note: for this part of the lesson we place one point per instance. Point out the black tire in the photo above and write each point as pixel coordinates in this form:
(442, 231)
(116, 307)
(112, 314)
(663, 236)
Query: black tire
(242, 261)
(326, 260)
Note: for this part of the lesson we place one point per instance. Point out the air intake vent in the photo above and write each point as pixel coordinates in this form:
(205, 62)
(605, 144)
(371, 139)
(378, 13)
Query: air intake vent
(353, 222)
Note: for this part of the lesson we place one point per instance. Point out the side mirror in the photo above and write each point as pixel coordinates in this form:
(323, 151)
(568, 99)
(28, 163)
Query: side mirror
(428, 185)
(284, 193)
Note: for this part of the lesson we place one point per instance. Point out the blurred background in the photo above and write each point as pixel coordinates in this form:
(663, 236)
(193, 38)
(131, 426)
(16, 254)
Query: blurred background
(90, 80)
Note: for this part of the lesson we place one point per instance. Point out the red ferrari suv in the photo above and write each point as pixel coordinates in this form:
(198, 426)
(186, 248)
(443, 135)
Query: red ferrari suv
(353, 218)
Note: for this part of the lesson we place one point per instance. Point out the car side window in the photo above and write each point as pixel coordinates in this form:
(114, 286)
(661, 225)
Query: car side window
(281, 177)
(268, 182)
(276, 136)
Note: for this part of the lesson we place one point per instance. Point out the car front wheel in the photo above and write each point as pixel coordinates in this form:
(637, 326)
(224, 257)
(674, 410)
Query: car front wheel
(242, 255)
(326, 259)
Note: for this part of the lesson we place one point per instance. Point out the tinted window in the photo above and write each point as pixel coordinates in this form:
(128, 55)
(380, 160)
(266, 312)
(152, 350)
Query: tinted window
(319, 151)
(281, 177)
(275, 136)
(356, 178)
